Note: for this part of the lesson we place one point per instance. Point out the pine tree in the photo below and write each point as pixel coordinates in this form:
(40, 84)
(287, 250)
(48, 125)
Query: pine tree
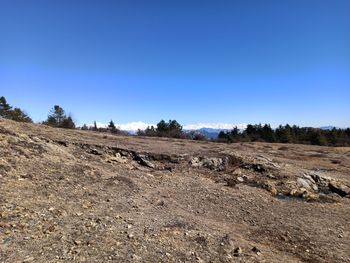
(15, 114)
(56, 117)
(150, 131)
(5, 108)
(267, 133)
(162, 128)
(68, 123)
(18, 115)
(112, 127)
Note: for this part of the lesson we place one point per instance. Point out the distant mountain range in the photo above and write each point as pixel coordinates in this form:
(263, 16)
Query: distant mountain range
(327, 127)
(210, 133)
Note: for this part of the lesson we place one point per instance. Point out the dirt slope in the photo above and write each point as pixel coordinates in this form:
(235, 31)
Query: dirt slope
(90, 197)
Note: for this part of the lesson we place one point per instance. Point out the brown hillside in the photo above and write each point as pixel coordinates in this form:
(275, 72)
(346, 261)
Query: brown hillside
(69, 195)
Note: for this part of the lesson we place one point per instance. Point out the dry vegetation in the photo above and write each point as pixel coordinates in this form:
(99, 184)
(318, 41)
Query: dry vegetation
(68, 195)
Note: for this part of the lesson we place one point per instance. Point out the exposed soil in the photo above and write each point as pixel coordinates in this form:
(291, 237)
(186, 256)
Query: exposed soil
(68, 195)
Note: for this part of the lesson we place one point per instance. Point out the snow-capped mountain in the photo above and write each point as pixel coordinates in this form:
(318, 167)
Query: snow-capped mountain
(329, 127)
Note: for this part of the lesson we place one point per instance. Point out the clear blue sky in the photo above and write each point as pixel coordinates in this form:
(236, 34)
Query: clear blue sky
(194, 61)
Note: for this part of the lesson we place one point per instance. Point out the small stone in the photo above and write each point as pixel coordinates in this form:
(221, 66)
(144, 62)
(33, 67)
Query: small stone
(256, 250)
(285, 238)
(310, 196)
(130, 236)
(136, 257)
(240, 179)
(77, 242)
(51, 209)
(271, 176)
(51, 228)
(199, 259)
(161, 203)
(237, 251)
(95, 151)
(28, 259)
(298, 192)
(269, 186)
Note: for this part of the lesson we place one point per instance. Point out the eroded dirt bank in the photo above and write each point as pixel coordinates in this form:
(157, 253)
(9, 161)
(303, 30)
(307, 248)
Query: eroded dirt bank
(90, 197)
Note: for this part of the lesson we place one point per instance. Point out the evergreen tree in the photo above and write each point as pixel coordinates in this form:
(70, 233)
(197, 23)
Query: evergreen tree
(5, 108)
(15, 114)
(223, 136)
(68, 123)
(174, 129)
(284, 134)
(18, 115)
(150, 131)
(267, 133)
(170, 129)
(162, 127)
(317, 137)
(112, 127)
(57, 118)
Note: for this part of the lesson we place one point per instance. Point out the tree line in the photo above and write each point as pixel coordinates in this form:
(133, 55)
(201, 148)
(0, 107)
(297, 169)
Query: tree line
(15, 114)
(172, 129)
(56, 118)
(287, 134)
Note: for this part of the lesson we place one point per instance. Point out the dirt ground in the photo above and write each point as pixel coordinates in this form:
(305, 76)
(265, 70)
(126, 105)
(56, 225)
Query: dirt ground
(68, 195)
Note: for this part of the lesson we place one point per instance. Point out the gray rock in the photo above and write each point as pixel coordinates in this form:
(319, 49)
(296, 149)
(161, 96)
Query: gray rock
(307, 183)
(240, 179)
(147, 163)
(95, 151)
(141, 159)
(309, 178)
(303, 183)
(217, 164)
(339, 188)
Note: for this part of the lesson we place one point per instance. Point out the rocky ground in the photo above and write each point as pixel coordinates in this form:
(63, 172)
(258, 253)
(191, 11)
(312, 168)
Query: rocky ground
(92, 197)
